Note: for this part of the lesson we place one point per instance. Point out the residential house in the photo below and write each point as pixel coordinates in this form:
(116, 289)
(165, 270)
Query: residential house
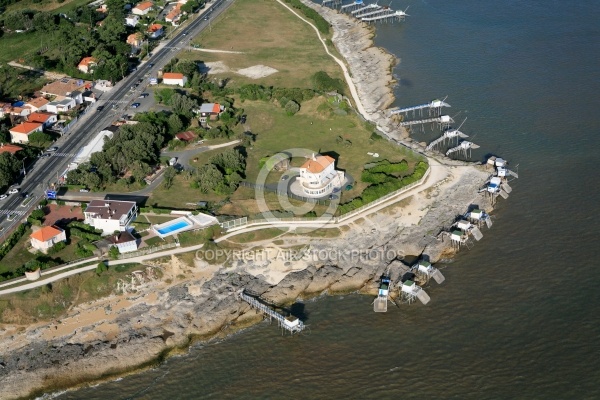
(186, 136)
(132, 20)
(89, 96)
(60, 104)
(20, 133)
(45, 118)
(64, 87)
(77, 95)
(124, 241)
(142, 8)
(9, 148)
(87, 64)
(174, 78)
(318, 176)
(210, 111)
(46, 237)
(110, 215)
(155, 31)
(174, 15)
(20, 111)
(37, 104)
(5, 109)
(135, 40)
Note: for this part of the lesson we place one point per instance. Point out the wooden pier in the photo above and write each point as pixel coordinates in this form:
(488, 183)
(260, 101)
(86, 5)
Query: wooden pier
(290, 323)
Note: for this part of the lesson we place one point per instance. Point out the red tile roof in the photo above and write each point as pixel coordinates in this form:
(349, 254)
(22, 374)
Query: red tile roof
(26, 127)
(46, 233)
(317, 164)
(9, 148)
(38, 102)
(155, 27)
(40, 117)
(186, 136)
(145, 5)
(86, 61)
(172, 75)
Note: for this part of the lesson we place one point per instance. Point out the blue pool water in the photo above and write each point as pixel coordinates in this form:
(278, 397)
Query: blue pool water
(175, 227)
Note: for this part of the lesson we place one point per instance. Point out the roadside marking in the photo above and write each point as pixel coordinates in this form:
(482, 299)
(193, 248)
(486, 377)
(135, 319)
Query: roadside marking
(8, 212)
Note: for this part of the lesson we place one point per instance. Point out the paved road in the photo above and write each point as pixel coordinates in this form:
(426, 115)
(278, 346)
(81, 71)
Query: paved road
(46, 170)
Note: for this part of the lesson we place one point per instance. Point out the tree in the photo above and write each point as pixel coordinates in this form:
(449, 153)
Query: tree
(39, 137)
(101, 267)
(186, 67)
(164, 95)
(175, 124)
(9, 168)
(292, 107)
(37, 214)
(183, 105)
(208, 178)
(168, 176)
(229, 161)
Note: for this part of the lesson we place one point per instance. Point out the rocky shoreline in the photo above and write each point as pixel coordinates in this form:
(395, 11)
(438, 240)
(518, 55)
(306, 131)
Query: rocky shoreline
(116, 335)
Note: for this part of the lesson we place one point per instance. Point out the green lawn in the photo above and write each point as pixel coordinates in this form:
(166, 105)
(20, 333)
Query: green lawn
(267, 34)
(47, 5)
(20, 254)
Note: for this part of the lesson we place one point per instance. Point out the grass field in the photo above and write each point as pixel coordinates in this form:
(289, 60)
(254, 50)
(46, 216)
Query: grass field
(267, 34)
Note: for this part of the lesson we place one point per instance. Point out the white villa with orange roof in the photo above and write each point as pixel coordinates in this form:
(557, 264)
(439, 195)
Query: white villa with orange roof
(142, 8)
(318, 176)
(20, 133)
(47, 237)
(87, 64)
(174, 78)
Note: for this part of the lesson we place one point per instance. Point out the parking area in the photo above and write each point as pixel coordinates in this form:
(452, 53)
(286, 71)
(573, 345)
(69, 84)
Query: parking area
(62, 215)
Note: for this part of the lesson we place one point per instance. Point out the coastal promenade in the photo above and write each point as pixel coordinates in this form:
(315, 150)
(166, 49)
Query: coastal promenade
(436, 173)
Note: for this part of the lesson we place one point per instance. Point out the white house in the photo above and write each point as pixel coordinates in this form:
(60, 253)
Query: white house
(37, 104)
(318, 176)
(61, 104)
(45, 118)
(47, 237)
(132, 20)
(155, 31)
(142, 8)
(87, 64)
(209, 111)
(110, 215)
(174, 78)
(20, 133)
(124, 241)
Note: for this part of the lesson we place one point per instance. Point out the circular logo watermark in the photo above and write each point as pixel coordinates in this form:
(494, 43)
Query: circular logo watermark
(299, 190)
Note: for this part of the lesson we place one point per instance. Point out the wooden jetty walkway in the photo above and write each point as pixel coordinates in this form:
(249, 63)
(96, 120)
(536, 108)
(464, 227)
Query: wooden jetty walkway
(290, 323)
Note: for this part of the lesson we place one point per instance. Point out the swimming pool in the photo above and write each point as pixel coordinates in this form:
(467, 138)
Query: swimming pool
(171, 227)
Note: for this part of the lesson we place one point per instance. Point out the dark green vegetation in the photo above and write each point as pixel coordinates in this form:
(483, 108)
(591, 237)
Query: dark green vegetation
(15, 257)
(59, 40)
(385, 177)
(320, 23)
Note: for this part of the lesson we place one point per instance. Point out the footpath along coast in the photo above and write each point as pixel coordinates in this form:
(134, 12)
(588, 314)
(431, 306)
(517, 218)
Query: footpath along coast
(122, 333)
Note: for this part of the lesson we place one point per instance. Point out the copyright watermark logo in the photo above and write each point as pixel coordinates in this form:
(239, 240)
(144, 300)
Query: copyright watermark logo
(297, 194)
(307, 254)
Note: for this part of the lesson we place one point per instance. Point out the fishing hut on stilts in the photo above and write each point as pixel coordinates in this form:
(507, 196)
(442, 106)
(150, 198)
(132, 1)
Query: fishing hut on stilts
(290, 323)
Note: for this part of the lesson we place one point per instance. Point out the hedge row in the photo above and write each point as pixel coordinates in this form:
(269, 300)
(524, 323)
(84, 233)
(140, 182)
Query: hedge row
(374, 192)
(320, 23)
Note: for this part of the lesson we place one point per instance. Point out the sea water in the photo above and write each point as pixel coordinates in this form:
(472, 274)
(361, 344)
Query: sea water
(519, 313)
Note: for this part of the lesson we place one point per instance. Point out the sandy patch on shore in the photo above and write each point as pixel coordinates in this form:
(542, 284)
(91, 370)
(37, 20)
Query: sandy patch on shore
(254, 72)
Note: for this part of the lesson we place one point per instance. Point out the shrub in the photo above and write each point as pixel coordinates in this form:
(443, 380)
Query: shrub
(57, 247)
(324, 83)
(100, 268)
(292, 107)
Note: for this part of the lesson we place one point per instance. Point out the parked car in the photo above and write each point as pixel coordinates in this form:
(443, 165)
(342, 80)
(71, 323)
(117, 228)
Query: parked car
(54, 148)
(100, 108)
(135, 105)
(83, 190)
(143, 95)
(151, 64)
(243, 119)
(140, 80)
(13, 191)
(2, 197)
(46, 155)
